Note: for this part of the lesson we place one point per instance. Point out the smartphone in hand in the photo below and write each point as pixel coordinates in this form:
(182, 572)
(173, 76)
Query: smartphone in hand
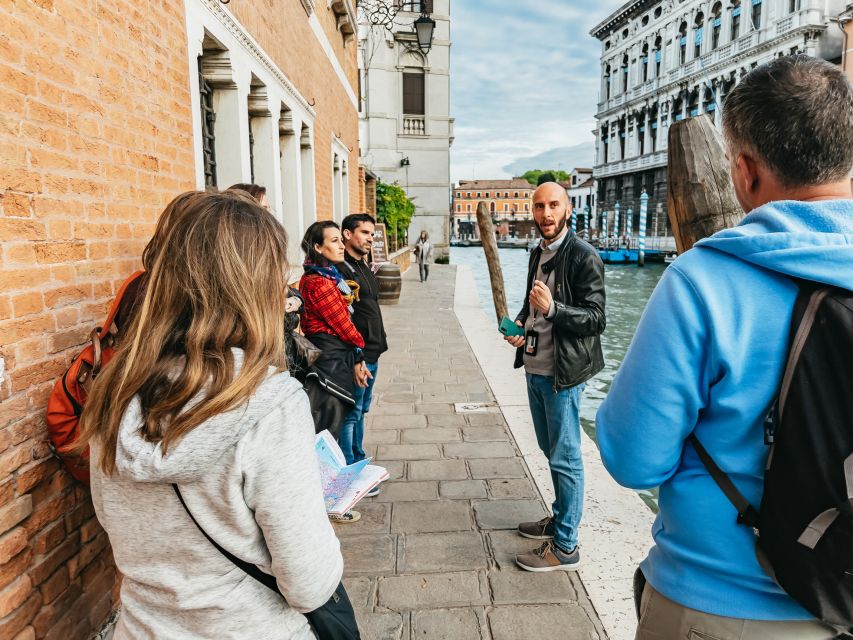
(509, 328)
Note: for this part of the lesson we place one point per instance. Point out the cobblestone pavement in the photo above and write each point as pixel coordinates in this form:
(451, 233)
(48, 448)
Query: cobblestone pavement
(433, 555)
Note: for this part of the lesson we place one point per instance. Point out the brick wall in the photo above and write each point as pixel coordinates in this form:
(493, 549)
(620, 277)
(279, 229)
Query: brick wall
(94, 143)
(95, 139)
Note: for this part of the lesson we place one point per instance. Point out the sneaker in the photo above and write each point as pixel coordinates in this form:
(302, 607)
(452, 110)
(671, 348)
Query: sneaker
(346, 518)
(549, 557)
(542, 530)
(375, 491)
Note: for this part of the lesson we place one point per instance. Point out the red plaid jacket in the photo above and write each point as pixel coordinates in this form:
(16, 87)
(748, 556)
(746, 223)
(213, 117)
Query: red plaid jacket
(324, 310)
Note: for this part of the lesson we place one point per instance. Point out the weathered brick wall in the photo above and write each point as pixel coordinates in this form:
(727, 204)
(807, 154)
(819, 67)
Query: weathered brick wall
(95, 139)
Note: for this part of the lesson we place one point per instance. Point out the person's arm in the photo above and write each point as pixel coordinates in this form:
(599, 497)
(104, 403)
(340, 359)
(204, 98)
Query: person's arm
(326, 301)
(585, 316)
(662, 386)
(281, 485)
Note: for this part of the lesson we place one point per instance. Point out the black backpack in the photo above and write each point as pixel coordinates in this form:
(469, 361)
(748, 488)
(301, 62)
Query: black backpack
(805, 523)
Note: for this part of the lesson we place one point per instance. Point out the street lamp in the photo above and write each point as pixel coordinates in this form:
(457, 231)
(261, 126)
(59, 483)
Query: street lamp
(424, 28)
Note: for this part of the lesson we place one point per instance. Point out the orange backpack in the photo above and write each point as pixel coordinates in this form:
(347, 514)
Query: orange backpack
(69, 394)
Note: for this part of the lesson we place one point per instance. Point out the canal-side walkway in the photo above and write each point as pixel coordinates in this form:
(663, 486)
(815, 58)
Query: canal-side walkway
(433, 555)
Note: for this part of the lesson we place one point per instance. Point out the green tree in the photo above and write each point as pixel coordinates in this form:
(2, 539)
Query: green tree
(533, 175)
(395, 209)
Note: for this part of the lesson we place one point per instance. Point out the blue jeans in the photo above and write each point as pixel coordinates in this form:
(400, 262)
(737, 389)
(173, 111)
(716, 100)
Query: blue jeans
(352, 430)
(556, 420)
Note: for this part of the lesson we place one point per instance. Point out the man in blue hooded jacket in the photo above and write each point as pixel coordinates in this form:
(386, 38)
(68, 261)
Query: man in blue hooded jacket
(709, 352)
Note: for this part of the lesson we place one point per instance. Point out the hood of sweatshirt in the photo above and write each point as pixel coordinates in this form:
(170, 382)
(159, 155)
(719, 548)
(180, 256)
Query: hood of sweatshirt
(192, 456)
(807, 240)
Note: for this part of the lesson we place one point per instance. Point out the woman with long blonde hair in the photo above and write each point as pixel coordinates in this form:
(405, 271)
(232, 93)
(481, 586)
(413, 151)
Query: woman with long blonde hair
(196, 402)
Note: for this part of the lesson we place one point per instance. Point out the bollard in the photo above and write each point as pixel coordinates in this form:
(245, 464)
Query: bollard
(574, 221)
(616, 222)
(644, 212)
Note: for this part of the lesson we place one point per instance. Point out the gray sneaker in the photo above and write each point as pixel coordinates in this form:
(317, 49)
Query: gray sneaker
(346, 518)
(549, 557)
(542, 530)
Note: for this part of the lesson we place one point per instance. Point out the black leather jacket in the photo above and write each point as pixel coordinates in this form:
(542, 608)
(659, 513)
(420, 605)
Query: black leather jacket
(579, 319)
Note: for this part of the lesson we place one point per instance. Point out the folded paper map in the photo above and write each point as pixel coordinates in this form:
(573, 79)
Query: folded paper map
(344, 485)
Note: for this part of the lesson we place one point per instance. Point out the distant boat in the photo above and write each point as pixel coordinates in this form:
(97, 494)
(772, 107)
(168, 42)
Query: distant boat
(670, 258)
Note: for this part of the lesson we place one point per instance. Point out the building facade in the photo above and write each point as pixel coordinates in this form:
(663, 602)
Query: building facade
(406, 128)
(582, 192)
(509, 202)
(666, 60)
(105, 116)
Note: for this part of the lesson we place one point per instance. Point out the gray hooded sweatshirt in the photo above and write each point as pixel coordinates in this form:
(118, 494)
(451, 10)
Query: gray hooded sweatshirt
(251, 479)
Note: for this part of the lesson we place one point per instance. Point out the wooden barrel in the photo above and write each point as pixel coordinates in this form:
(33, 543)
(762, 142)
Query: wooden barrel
(390, 283)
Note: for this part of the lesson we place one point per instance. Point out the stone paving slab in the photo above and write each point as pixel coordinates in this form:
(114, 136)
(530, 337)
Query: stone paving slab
(433, 556)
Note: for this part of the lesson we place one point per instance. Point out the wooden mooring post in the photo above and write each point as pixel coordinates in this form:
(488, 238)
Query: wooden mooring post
(490, 248)
(701, 196)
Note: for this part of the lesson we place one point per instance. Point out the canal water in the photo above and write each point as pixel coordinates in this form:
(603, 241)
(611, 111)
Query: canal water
(628, 289)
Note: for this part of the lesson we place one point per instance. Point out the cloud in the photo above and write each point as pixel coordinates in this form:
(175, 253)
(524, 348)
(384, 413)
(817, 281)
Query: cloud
(524, 82)
(565, 158)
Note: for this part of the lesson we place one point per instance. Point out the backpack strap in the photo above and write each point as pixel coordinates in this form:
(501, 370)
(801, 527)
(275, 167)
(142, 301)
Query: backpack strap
(746, 514)
(111, 316)
(815, 300)
(264, 578)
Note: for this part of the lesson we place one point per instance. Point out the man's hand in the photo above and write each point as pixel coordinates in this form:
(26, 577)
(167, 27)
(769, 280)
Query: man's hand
(515, 341)
(361, 375)
(540, 297)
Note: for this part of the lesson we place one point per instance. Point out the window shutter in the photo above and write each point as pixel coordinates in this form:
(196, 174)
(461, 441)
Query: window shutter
(413, 94)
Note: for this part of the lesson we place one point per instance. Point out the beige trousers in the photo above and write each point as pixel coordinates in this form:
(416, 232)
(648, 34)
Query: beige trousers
(663, 619)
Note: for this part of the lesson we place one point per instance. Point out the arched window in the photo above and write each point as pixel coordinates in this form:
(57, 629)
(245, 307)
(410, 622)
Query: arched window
(716, 24)
(491, 207)
(756, 14)
(710, 100)
(698, 28)
(607, 83)
(658, 55)
(682, 43)
(653, 129)
(693, 104)
(645, 61)
(735, 30)
(793, 5)
(625, 66)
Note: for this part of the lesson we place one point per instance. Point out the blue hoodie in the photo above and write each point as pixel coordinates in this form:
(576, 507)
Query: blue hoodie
(708, 358)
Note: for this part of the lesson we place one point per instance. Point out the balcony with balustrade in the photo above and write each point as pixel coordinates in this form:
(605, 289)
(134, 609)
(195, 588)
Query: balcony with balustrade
(413, 126)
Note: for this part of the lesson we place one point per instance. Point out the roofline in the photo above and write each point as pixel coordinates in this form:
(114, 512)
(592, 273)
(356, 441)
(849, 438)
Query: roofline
(618, 16)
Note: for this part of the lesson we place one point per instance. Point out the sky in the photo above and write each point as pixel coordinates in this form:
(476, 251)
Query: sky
(524, 85)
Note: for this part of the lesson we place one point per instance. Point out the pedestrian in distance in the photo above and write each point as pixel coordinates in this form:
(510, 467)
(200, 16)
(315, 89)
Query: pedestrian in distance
(357, 232)
(562, 317)
(705, 370)
(195, 418)
(423, 252)
(327, 323)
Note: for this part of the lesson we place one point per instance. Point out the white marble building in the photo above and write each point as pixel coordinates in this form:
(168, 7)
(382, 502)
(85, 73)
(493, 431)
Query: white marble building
(665, 60)
(406, 128)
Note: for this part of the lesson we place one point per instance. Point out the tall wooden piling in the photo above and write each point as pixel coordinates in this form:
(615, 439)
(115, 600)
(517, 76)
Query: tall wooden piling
(701, 196)
(490, 248)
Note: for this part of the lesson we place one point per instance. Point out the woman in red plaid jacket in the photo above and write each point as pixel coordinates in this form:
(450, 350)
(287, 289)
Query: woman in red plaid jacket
(326, 322)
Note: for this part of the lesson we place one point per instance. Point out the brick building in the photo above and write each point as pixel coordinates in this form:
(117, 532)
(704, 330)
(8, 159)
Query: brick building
(508, 201)
(108, 110)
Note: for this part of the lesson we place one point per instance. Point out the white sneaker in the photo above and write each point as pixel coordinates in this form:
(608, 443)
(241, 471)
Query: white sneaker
(375, 491)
